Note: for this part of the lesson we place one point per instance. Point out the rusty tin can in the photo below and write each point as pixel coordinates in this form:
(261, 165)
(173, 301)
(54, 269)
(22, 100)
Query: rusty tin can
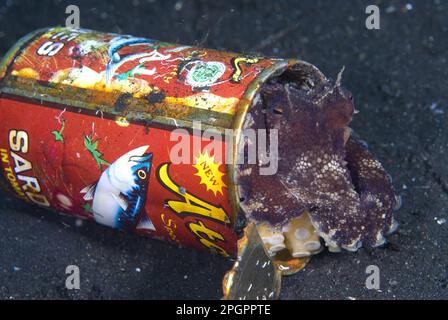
(86, 122)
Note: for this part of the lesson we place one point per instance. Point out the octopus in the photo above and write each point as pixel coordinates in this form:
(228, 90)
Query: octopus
(328, 184)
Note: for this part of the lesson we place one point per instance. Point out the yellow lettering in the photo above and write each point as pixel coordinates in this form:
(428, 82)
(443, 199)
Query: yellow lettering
(38, 199)
(4, 154)
(30, 183)
(199, 229)
(18, 140)
(20, 164)
(191, 203)
(14, 184)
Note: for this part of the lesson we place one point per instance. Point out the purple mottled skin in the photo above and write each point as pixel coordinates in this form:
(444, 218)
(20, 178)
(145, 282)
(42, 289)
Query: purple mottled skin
(322, 168)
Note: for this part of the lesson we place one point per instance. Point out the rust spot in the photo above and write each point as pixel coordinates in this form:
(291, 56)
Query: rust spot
(156, 97)
(122, 102)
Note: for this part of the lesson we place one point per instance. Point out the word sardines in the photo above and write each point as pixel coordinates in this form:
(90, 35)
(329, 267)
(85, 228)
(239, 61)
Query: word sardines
(156, 138)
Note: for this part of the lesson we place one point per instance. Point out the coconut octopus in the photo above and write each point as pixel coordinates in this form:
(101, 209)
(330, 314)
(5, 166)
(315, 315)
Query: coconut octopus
(328, 185)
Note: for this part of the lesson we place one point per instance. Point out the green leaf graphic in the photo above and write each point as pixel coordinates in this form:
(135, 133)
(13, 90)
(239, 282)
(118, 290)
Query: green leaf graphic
(58, 134)
(87, 207)
(92, 148)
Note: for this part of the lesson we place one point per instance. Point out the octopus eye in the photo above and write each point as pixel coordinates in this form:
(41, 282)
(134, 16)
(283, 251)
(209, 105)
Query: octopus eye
(278, 110)
(141, 174)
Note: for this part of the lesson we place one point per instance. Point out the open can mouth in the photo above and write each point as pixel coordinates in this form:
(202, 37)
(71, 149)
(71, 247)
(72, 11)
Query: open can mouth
(262, 255)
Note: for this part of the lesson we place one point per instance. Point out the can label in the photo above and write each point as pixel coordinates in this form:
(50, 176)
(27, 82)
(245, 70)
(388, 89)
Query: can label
(85, 124)
(161, 72)
(116, 173)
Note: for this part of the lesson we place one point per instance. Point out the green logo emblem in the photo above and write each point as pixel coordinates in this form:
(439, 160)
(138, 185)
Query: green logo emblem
(204, 74)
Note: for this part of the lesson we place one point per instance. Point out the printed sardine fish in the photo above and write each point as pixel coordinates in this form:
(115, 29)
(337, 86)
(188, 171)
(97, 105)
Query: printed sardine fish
(119, 196)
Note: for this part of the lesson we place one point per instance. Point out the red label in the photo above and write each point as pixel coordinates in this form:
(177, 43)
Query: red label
(116, 173)
(184, 75)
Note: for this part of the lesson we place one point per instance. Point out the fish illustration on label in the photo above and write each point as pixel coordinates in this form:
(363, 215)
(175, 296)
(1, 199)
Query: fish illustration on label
(116, 60)
(119, 196)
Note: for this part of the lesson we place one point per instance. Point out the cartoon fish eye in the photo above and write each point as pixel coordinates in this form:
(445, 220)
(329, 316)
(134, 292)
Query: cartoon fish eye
(141, 174)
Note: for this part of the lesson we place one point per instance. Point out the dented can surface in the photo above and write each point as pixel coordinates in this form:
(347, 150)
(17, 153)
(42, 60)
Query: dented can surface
(85, 129)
